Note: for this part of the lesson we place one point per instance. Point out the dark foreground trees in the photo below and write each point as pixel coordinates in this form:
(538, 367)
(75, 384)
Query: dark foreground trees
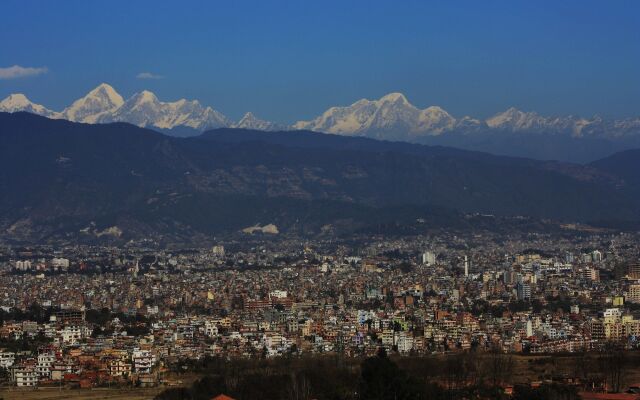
(381, 379)
(546, 392)
(454, 377)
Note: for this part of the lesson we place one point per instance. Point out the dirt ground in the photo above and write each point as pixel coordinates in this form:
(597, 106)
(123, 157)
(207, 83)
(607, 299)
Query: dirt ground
(78, 394)
(532, 368)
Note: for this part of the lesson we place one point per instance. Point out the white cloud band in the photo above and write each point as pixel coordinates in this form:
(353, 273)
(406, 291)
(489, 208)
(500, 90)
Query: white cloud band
(18, 71)
(148, 75)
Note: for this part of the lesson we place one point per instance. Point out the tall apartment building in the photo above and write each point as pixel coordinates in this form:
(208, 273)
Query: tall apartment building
(633, 294)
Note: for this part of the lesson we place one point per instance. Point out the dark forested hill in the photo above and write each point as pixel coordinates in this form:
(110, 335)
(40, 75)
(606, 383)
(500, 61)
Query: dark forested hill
(61, 178)
(625, 165)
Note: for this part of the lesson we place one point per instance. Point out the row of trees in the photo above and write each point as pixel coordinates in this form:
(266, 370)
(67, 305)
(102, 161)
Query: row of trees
(375, 378)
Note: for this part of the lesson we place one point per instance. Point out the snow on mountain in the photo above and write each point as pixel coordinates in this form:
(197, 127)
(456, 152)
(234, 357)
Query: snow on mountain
(19, 102)
(391, 115)
(250, 121)
(144, 109)
(95, 105)
(513, 120)
(613, 129)
(468, 124)
(627, 126)
(103, 104)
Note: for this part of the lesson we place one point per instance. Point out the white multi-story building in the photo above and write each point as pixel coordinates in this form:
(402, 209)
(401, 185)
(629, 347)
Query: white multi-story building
(45, 360)
(210, 328)
(143, 361)
(614, 313)
(62, 263)
(404, 342)
(71, 334)
(218, 251)
(596, 256)
(7, 358)
(23, 265)
(24, 375)
(278, 294)
(428, 258)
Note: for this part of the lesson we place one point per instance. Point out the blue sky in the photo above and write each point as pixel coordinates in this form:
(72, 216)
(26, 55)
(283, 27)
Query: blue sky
(289, 60)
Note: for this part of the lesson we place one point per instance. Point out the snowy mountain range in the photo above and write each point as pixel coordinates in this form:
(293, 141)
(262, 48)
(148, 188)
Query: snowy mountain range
(144, 109)
(392, 117)
(103, 105)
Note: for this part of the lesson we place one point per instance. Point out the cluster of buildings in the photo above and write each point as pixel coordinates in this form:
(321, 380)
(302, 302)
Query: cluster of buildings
(130, 314)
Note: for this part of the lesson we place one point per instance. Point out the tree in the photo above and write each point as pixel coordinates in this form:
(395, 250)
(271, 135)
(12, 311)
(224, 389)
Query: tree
(381, 379)
(613, 364)
(299, 387)
(498, 366)
(545, 392)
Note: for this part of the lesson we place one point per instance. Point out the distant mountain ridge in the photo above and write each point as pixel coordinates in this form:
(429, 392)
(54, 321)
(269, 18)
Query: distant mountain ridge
(80, 180)
(392, 117)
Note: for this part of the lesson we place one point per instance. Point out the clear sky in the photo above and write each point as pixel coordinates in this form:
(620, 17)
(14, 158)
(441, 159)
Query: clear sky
(290, 60)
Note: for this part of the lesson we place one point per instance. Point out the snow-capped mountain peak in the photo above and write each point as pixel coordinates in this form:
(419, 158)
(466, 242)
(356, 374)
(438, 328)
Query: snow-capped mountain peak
(106, 90)
(146, 97)
(390, 117)
(512, 117)
(247, 120)
(19, 102)
(15, 101)
(515, 120)
(140, 100)
(95, 105)
(144, 109)
(250, 121)
(394, 97)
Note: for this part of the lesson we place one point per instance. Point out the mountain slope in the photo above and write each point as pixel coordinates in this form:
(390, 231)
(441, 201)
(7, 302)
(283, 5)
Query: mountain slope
(78, 176)
(625, 164)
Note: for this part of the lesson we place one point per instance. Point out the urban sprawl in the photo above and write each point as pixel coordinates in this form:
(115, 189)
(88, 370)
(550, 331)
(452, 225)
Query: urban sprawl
(86, 315)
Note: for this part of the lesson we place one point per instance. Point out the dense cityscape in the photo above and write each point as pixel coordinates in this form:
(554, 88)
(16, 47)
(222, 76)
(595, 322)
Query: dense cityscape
(319, 200)
(91, 315)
